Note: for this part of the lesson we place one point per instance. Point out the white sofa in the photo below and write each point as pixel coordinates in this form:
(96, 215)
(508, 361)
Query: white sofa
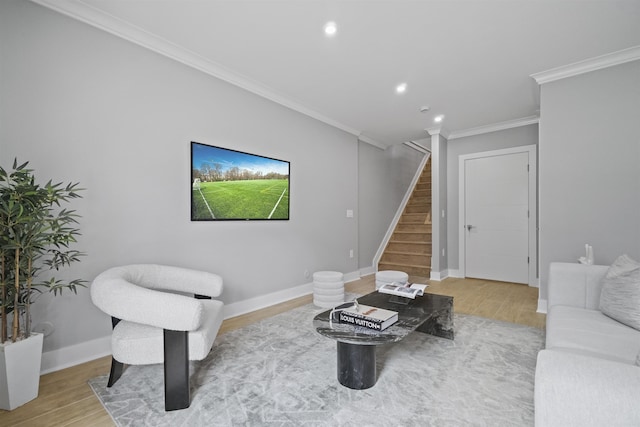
(587, 374)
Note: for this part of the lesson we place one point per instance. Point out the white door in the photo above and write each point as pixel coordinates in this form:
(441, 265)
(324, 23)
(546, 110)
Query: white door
(496, 217)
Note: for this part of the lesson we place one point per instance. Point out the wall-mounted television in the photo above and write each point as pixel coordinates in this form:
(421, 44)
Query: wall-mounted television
(230, 185)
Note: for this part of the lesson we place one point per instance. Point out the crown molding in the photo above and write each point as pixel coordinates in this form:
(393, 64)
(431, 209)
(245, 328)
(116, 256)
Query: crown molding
(592, 64)
(81, 11)
(371, 141)
(438, 130)
(509, 124)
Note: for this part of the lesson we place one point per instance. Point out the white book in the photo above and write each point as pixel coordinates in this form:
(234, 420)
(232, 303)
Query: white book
(407, 290)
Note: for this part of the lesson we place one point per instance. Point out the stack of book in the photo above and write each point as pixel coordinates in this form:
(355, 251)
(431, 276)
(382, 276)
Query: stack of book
(369, 317)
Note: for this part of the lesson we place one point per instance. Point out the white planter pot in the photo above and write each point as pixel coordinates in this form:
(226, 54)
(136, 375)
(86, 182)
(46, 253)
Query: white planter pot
(20, 371)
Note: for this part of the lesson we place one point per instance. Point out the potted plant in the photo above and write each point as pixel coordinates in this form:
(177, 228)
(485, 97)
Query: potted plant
(36, 237)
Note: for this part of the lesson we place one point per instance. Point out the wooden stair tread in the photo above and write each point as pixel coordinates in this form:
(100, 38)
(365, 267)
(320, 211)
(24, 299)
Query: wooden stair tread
(406, 264)
(412, 232)
(407, 253)
(412, 242)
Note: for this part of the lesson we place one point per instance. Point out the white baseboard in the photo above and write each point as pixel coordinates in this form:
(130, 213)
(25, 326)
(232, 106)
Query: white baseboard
(262, 301)
(367, 271)
(542, 306)
(456, 273)
(439, 275)
(76, 354)
(350, 277)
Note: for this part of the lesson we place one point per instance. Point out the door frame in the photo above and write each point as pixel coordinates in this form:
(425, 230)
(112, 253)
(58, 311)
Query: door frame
(533, 208)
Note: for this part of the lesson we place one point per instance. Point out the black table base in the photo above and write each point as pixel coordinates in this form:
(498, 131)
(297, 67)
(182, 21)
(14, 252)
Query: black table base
(430, 314)
(356, 365)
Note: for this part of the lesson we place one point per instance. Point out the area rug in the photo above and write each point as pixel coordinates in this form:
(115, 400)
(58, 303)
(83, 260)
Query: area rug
(280, 372)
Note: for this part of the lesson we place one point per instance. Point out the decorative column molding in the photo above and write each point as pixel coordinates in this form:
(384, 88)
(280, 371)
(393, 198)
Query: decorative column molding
(438, 203)
(438, 130)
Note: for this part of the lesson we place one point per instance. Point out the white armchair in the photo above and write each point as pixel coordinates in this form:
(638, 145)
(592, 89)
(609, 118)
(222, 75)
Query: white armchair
(153, 324)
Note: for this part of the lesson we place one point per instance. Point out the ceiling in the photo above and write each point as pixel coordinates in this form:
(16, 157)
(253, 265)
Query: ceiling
(469, 60)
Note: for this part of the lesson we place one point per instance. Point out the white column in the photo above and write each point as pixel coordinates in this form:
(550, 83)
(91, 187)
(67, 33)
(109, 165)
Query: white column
(439, 264)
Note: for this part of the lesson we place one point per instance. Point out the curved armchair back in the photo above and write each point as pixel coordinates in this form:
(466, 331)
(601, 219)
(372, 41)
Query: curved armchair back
(137, 293)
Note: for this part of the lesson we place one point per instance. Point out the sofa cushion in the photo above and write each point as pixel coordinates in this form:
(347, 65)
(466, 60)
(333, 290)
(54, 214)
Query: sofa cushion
(620, 296)
(591, 332)
(576, 390)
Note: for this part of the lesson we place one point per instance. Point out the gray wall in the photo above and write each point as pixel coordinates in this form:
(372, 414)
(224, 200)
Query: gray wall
(83, 105)
(515, 137)
(589, 162)
(383, 179)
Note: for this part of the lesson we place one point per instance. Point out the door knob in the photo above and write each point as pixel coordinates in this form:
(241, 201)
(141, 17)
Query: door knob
(469, 227)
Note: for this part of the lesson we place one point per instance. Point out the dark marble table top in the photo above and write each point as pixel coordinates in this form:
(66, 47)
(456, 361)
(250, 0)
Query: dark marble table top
(412, 313)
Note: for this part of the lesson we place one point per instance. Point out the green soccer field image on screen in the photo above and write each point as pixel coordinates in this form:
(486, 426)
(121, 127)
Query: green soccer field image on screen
(232, 185)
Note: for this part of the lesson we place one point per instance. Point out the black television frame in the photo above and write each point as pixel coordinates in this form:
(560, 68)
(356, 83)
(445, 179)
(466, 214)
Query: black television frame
(237, 182)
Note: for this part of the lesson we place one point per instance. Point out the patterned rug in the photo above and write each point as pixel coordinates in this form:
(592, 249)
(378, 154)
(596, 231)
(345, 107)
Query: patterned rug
(280, 372)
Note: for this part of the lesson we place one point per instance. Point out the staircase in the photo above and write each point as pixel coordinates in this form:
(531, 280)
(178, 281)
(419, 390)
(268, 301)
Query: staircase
(409, 248)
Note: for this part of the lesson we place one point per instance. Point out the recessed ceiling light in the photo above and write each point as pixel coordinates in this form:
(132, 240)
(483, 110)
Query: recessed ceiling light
(330, 29)
(401, 88)
(438, 118)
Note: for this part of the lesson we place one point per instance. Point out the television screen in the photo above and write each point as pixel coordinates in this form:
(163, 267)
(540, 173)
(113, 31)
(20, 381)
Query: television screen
(232, 185)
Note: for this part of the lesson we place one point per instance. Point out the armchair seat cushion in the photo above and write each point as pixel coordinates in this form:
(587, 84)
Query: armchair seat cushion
(137, 344)
(593, 332)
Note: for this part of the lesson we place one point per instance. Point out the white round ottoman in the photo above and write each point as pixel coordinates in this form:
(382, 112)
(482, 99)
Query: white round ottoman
(389, 276)
(328, 288)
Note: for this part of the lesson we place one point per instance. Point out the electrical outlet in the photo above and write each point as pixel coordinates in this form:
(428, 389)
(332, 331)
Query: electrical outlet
(45, 328)
(350, 253)
(349, 213)
(307, 274)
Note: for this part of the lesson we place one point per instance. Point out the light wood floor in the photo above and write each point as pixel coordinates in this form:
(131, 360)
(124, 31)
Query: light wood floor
(65, 399)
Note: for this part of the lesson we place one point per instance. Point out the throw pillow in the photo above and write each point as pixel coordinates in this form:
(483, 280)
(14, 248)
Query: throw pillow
(620, 297)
